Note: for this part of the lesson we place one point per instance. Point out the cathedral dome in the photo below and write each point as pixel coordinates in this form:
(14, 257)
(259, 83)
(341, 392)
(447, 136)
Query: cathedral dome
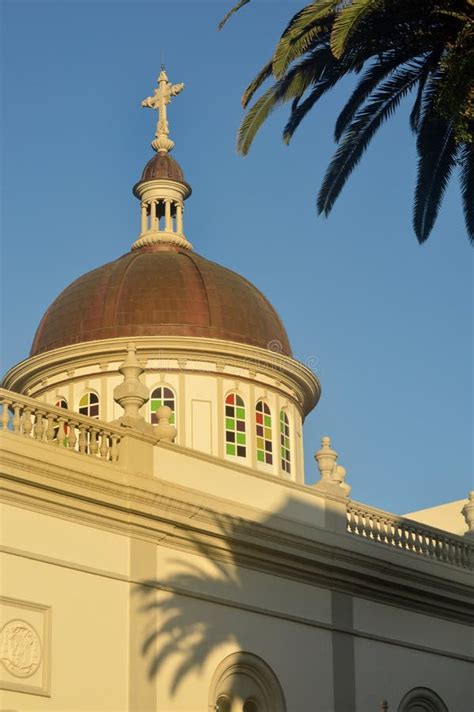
(161, 290)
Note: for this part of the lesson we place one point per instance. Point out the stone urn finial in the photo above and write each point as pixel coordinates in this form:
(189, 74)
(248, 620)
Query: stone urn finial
(326, 459)
(468, 514)
(131, 394)
(164, 430)
(332, 475)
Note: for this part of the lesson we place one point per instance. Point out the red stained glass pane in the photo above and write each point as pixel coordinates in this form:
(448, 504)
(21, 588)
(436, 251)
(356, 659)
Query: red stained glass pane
(259, 417)
(230, 399)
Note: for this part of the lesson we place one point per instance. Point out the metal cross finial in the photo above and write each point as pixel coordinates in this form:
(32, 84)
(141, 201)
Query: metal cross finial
(159, 101)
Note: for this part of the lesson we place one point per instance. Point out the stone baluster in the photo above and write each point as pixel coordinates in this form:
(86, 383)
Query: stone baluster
(62, 432)
(50, 430)
(71, 436)
(104, 445)
(5, 414)
(93, 443)
(38, 428)
(114, 448)
(82, 438)
(16, 422)
(27, 421)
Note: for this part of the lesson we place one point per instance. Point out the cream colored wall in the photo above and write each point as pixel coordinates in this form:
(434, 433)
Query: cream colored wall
(387, 671)
(444, 516)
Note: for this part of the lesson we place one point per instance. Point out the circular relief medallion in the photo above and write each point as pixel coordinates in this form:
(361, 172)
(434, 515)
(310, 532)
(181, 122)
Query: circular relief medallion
(20, 648)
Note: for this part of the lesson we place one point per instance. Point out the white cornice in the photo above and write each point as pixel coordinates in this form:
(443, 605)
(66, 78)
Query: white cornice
(297, 378)
(87, 491)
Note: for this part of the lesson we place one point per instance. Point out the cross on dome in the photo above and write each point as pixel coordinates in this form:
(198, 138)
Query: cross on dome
(159, 101)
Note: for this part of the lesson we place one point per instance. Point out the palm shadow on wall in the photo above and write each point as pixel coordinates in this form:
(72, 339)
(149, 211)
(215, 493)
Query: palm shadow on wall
(188, 631)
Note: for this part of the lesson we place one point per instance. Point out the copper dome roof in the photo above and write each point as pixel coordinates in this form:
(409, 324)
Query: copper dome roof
(161, 291)
(162, 165)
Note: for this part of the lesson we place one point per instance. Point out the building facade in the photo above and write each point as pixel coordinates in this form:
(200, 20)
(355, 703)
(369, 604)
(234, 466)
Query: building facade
(160, 548)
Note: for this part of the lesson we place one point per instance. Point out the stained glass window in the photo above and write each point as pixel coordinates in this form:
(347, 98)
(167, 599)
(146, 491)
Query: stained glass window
(235, 436)
(162, 396)
(285, 442)
(89, 404)
(263, 427)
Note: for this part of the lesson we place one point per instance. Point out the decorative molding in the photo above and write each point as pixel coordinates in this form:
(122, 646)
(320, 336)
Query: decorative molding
(292, 375)
(25, 646)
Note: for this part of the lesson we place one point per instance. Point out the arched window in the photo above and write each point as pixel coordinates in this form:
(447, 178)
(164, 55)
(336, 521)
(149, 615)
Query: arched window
(163, 395)
(89, 404)
(61, 403)
(244, 677)
(421, 699)
(285, 454)
(263, 427)
(235, 436)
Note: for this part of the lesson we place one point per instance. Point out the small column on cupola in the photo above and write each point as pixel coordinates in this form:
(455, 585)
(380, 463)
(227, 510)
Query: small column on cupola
(162, 189)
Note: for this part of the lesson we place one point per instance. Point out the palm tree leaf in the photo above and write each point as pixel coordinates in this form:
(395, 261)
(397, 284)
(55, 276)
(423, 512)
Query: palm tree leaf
(437, 157)
(256, 83)
(467, 187)
(231, 12)
(331, 76)
(382, 67)
(347, 20)
(358, 135)
(293, 85)
(309, 24)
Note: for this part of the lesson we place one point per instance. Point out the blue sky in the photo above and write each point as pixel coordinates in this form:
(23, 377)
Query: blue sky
(386, 324)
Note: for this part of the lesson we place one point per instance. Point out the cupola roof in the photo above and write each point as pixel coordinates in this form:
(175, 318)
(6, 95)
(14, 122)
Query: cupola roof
(161, 287)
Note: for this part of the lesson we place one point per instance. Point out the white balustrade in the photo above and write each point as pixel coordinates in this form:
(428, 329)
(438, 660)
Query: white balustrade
(378, 526)
(58, 426)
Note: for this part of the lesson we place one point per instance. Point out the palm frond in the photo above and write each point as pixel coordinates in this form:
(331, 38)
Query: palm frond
(361, 130)
(347, 20)
(311, 23)
(467, 186)
(382, 67)
(256, 83)
(231, 12)
(293, 85)
(437, 157)
(331, 76)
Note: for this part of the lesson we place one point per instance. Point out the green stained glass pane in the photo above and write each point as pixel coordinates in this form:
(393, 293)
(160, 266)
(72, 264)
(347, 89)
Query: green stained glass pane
(268, 421)
(230, 449)
(172, 419)
(287, 442)
(241, 438)
(282, 450)
(230, 424)
(155, 404)
(240, 413)
(260, 456)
